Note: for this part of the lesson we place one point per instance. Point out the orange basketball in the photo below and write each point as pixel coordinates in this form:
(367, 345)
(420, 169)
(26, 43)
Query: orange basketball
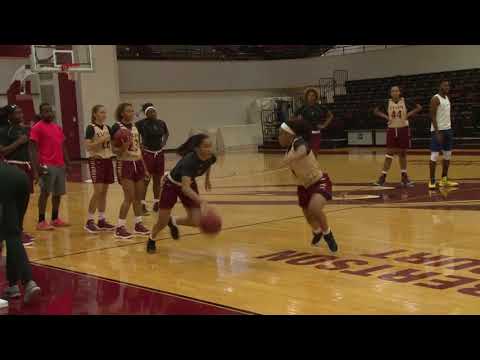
(210, 222)
(122, 136)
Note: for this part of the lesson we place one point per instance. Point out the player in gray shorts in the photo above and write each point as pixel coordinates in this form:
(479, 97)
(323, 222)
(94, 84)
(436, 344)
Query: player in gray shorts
(53, 180)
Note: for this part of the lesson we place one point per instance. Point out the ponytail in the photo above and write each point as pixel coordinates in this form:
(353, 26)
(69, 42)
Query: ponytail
(190, 145)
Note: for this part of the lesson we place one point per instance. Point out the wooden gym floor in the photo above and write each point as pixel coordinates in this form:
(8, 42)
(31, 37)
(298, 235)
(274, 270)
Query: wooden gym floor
(401, 251)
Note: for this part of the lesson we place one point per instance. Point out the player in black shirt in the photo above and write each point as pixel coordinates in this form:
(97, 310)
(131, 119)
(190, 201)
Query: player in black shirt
(318, 116)
(197, 159)
(154, 133)
(14, 192)
(15, 147)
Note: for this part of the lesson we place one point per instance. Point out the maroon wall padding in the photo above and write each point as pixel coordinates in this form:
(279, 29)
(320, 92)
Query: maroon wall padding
(68, 105)
(20, 51)
(25, 101)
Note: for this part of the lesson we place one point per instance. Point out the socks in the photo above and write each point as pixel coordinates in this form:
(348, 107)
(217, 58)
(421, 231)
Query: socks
(384, 173)
(54, 215)
(121, 222)
(138, 219)
(317, 231)
(101, 215)
(41, 218)
(144, 202)
(173, 220)
(156, 201)
(91, 216)
(326, 232)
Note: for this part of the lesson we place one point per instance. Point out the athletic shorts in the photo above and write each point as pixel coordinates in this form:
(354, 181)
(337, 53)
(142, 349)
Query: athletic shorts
(101, 171)
(315, 141)
(322, 187)
(155, 162)
(27, 169)
(54, 180)
(398, 138)
(130, 170)
(171, 192)
(447, 141)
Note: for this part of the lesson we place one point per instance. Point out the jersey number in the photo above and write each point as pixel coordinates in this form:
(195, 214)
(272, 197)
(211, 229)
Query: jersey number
(398, 115)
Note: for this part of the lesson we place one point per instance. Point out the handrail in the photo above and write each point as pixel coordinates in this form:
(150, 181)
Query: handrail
(353, 49)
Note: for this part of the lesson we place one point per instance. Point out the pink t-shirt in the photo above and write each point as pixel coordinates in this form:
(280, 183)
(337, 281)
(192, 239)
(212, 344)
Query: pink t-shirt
(49, 138)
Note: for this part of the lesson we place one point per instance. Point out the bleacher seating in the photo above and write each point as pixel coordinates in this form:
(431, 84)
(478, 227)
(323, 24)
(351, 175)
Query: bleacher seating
(355, 109)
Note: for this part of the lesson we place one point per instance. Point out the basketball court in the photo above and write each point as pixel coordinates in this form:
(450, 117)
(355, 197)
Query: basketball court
(401, 250)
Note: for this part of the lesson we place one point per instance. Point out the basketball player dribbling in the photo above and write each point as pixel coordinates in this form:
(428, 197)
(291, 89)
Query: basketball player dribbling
(131, 172)
(442, 135)
(154, 133)
(397, 111)
(18, 151)
(314, 187)
(197, 159)
(318, 116)
(98, 143)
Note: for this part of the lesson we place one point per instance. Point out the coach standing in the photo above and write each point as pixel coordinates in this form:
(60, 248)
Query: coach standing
(51, 161)
(318, 116)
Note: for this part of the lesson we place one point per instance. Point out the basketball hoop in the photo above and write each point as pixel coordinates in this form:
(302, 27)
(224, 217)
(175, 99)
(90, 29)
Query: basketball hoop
(65, 69)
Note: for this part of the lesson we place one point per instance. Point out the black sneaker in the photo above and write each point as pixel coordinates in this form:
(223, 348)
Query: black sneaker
(173, 230)
(316, 238)
(151, 246)
(381, 180)
(406, 182)
(330, 240)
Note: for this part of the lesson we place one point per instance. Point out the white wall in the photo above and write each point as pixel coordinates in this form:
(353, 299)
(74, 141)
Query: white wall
(186, 110)
(157, 76)
(211, 94)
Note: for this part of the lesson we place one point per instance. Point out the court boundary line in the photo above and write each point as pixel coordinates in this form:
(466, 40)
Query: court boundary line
(227, 307)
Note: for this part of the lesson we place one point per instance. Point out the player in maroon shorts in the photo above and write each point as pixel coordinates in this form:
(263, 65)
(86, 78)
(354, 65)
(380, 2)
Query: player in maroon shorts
(154, 133)
(314, 113)
(131, 172)
(17, 152)
(314, 186)
(397, 111)
(98, 143)
(197, 159)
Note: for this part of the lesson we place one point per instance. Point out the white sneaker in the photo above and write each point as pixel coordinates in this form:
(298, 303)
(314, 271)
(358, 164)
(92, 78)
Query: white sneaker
(3, 304)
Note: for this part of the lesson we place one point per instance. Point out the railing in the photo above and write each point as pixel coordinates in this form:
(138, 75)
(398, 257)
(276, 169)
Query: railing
(353, 49)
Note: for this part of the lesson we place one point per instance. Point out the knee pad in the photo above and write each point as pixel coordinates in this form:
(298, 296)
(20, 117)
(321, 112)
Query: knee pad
(434, 156)
(447, 155)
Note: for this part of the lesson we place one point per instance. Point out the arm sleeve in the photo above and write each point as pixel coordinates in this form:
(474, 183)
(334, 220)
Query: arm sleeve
(165, 128)
(89, 132)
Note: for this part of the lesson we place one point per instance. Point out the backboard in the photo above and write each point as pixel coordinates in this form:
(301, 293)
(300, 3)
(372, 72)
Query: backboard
(57, 58)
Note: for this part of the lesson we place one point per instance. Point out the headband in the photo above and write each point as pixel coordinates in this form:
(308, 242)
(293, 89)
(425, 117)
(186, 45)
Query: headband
(149, 108)
(287, 128)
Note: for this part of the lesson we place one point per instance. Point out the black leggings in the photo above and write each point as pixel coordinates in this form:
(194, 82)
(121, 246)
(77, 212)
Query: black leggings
(14, 194)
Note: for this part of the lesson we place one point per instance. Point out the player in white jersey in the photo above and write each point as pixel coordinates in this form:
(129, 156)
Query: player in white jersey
(442, 135)
(314, 186)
